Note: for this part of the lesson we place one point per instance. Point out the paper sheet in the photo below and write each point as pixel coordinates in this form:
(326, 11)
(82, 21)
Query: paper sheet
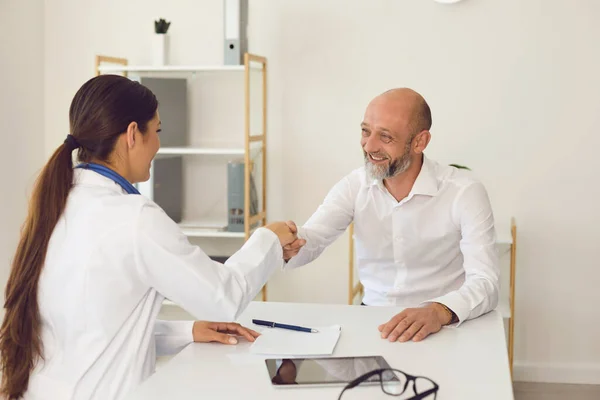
(275, 341)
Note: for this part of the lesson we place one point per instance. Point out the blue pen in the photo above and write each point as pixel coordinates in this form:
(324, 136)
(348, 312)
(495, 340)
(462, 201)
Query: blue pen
(283, 326)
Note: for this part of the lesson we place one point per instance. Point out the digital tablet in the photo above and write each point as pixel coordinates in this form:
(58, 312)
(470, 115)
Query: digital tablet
(330, 371)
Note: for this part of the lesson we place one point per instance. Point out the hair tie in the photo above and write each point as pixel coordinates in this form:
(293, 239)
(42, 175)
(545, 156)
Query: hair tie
(72, 143)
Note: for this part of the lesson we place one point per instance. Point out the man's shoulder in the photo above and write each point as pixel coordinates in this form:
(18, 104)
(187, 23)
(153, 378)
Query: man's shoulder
(462, 185)
(453, 176)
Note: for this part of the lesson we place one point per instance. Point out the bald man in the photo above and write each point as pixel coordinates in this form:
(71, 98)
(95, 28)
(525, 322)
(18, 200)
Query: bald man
(424, 232)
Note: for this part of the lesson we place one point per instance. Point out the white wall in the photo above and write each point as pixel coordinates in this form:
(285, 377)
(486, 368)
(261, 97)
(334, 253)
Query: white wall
(513, 88)
(78, 30)
(21, 117)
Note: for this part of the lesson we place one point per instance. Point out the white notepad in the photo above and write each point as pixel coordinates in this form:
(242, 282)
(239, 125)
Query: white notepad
(275, 341)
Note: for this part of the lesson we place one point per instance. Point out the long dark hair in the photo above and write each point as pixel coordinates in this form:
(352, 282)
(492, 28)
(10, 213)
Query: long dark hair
(100, 112)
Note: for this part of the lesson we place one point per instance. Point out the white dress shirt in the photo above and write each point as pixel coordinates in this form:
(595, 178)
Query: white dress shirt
(111, 261)
(436, 245)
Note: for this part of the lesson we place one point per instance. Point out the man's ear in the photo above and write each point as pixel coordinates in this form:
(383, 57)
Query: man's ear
(421, 141)
(132, 129)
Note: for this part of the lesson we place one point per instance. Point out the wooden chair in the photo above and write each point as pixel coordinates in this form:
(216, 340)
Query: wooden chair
(511, 300)
(353, 289)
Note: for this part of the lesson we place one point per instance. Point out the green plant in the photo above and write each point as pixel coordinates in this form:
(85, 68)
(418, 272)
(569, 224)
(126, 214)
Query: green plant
(161, 26)
(459, 166)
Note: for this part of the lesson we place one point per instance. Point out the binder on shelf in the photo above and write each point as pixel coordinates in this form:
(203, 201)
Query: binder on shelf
(235, 196)
(235, 23)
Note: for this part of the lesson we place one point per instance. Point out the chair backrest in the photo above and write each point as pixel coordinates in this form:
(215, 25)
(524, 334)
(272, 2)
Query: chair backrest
(513, 262)
(354, 288)
(513, 271)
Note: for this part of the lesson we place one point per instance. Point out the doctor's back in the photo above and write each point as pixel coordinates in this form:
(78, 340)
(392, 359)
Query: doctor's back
(93, 293)
(101, 262)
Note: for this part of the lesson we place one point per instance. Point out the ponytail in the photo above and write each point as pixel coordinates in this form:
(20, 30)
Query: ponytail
(20, 341)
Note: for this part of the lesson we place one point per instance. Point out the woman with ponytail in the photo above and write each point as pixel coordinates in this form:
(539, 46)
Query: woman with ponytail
(96, 260)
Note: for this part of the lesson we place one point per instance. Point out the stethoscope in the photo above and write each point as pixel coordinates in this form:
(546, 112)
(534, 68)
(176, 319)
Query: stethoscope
(110, 174)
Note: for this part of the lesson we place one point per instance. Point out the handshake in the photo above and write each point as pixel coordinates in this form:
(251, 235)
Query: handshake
(287, 232)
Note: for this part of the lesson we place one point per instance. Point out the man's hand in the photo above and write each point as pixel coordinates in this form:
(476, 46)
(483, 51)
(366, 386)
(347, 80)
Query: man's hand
(293, 249)
(415, 323)
(204, 332)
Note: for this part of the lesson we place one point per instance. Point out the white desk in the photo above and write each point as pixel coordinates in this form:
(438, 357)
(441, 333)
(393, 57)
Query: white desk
(469, 362)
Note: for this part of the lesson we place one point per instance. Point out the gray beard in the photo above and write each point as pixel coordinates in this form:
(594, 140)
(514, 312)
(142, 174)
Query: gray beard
(395, 167)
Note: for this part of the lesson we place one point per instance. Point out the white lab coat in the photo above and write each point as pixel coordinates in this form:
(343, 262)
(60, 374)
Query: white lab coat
(111, 261)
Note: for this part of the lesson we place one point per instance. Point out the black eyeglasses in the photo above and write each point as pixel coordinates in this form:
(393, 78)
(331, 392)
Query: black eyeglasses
(396, 383)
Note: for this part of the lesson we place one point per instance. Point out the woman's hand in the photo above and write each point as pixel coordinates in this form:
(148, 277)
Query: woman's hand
(285, 231)
(204, 332)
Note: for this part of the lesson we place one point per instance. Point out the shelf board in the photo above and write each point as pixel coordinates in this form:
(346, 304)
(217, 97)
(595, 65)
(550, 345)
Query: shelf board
(211, 233)
(209, 228)
(201, 151)
(174, 68)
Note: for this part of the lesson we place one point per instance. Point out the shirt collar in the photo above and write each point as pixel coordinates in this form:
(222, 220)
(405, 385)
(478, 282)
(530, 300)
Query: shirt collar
(426, 182)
